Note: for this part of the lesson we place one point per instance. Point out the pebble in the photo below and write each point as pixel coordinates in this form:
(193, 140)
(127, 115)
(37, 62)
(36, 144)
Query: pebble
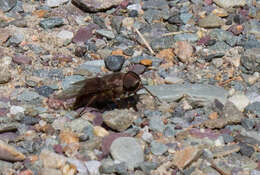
(7, 5)
(44, 90)
(10, 153)
(254, 108)
(93, 167)
(22, 59)
(211, 21)
(128, 150)
(5, 76)
(156, 124)
(230, 3)
(240, 101)
(28, 96)
(114, 62)
(186, 156)
(78, 125)
(119, 120)
(70, 80)
(184, 51)
(55, 3)
(16, 109)
(50, 23)
(197, 91)
(91, 6)
(106, 33)
(158, 148)
(65, 35)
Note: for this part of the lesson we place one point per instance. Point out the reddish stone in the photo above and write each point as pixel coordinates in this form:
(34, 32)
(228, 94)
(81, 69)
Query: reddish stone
(204, 40)
(208, 2)
(84, 34)
(137, 68)
(107, 141)
(58, 149)
(22, 59)
(236, 29)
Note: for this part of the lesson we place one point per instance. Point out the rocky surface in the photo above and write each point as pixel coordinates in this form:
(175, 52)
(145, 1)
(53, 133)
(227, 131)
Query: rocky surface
(199, 61)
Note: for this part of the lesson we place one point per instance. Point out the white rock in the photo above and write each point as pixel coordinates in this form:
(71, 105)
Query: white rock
(55, 3)
(240, 101)
(65, 35)
(229, 3)
(93, 167)
(16, 109)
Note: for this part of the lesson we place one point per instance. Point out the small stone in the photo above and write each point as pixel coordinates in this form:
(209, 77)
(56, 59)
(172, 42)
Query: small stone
(95, 6)
(22, 59)
(78, 125)
(28, 96)
(100, 131)
(10, 153)
(45, 91)
(67, 137)
(50, 23)
(186, 156)
(119, 120)
(146, 62)
(158, 148)
(50, 171)
(15, 39)
(114, 62)
(156, 123)
(184, 51)
(211, 21)
(4, 34)
(254, 108)
(84, 34)
(220, 12)
(169, 131)
(106, 33)
(51, 159)
(228, 138)
(5, 76)
(147, 167)
(128, 150)
(133, 13)
(230, 3)
(65, 35)
(240, 101)
(246, 149)
(7, 5)
(16, 109)
(55, 3)
(93, 166)
(248, 123)
(166, 54)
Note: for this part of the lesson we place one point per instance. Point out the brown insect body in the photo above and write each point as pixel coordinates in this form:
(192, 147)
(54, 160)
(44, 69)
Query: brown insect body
(101, 89)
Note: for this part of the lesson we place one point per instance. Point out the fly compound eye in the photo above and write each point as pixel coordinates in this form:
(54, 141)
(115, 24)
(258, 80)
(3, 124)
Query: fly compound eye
(131, 81)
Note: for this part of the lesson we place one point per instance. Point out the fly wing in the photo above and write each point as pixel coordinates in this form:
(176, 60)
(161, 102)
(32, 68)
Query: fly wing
(89, 86)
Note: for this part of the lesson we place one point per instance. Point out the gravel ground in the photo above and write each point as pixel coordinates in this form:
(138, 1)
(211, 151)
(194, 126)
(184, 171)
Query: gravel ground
(200, 58)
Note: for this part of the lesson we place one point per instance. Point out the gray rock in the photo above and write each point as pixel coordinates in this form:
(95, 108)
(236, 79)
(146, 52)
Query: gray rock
(128, 150)
(228, 138)
(250, 60)
(169, 131)
(155, 4)
(156, 124)
(162, 43)
(7, 5)
(230, 3)
(15, 40)
(91, 66)
(248, 123)
(28, 96)
(93, 166)
(186, 37)
(222, 35)
(79, 125)
(158, 149)
(95, 6)
(156, 61)
(185, 17)
(152, 14)
(211, 21)
(65, 35)
(114, 62)
(116, 23)
(70, 80)
(5, 76)
(107, 166)
(147, 167)
(219, 47)
(246, 149)
(254, 108)
(106, 33)
(50, 23)
(119, 120)
(197, 92)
